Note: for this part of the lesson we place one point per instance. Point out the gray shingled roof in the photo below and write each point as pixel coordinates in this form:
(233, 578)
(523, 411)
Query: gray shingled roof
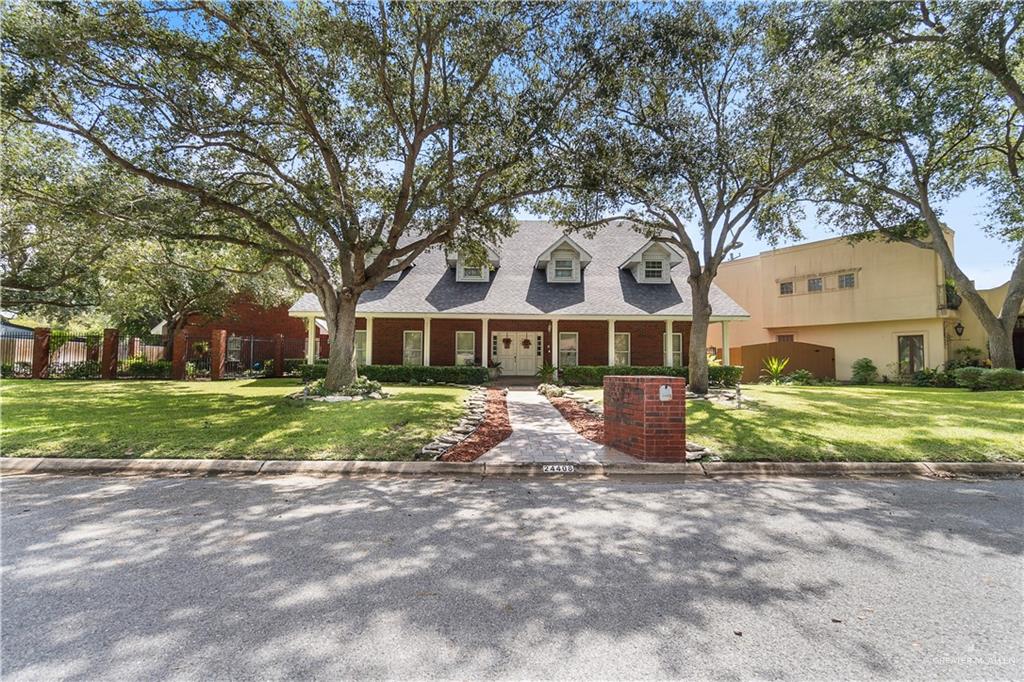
(518, 288)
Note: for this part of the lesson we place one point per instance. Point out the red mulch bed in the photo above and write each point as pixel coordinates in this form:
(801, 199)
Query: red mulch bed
(492, 430)
(586, 424)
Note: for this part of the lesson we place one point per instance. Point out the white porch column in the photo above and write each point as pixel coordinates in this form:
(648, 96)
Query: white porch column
(369, 340)
(554, 343)
(426, 342)
(725, 342)
(668, 343)
(310, 339)
(485, 341)
(611, 342)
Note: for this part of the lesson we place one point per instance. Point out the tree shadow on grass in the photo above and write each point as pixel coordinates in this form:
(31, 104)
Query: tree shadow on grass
(164, 419)
(296, 577)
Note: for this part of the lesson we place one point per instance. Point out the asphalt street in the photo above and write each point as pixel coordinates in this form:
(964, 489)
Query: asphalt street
(294, 577)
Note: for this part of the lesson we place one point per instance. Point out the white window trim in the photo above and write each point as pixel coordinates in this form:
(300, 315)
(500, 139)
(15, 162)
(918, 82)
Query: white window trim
(564, 255)
(664, 270)
(405, 346)
(360, 333)
(839, 280)
(629, 351)
(672, 349)
(576, 353)
(461, 276)
(472, 347)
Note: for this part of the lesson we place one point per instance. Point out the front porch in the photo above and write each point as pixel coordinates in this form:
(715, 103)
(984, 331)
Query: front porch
(519, 345)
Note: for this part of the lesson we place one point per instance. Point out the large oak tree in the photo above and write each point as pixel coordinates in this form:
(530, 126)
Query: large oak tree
(941, 114)
(343, 140)
(704, 131)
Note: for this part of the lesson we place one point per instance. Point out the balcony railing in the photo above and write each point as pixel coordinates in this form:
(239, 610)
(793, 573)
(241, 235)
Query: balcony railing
(948, 298)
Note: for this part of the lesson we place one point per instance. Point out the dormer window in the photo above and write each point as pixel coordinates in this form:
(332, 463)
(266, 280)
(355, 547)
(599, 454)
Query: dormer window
(469, 269)
(563, 261)
(654, 269)
(471, 273)
(652, 263)
(564, 269)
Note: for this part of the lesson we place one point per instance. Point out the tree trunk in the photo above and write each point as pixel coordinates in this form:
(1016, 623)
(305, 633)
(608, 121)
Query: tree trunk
(341, 334)
(1000, 331)
(1000, 347)
(698, 362)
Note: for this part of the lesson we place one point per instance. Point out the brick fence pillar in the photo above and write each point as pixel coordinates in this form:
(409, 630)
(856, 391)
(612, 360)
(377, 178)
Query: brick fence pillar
(638, 421)
(108, 360)
(41, 353)
(278, 355)
(178, 354)
(218, 352)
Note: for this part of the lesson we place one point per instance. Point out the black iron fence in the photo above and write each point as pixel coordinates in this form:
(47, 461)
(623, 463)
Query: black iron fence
(144, 357)
(58, 354)
(15, 352)
(75, 356)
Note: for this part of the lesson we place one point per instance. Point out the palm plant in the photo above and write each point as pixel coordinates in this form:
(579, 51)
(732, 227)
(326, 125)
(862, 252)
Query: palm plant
(773, 369)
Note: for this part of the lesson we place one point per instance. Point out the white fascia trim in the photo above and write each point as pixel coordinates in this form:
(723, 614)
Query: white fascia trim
(545, 256)
(674, 256)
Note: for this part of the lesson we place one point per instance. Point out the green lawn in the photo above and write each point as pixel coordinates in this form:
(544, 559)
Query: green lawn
(866, 423)
(248, 419)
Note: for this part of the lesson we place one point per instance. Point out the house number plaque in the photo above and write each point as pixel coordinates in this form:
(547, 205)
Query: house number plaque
(558, 468)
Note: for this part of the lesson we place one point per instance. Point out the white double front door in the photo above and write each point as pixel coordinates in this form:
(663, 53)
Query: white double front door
(520, 353)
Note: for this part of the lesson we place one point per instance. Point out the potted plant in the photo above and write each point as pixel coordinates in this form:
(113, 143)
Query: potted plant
(494, 371)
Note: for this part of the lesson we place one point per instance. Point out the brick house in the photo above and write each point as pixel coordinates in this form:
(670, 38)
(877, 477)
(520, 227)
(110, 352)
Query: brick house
(546, 298)
(245, 318)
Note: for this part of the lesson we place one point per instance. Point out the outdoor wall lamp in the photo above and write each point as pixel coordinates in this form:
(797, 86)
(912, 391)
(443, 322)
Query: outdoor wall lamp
(959, 328)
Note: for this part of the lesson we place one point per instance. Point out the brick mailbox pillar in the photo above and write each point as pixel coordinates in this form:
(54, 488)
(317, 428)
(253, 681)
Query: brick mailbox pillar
(639, 422)
(108, 359)
(40, 353)
(218, 352)
(278, 355)
(178, 354)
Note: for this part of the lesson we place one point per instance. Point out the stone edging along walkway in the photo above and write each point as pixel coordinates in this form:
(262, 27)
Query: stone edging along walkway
(688, 470)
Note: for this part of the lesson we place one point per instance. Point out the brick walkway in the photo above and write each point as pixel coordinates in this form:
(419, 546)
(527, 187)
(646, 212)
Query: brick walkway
(541, 434)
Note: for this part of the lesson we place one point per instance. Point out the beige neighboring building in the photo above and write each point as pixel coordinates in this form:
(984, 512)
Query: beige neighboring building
(882, 300)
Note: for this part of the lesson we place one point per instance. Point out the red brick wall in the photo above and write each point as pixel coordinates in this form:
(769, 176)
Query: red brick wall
(442, 340)
(646, 342)
(388, 338)
(593, 339)
(523, 326)
(639, 423)
(684, 329)
(245, 318)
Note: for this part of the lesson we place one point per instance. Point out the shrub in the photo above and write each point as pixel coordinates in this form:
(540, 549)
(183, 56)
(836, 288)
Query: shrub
(89, 369)
(864, 371)
(140, 368)
(943, 379)
(407, 374)
(293, 365)
(593, 375)
(773, 369)
(21, 370)
(969, 377)
(547, 374)
(801, 377)
(361, 386)
(552, 390)
(921, 378)
(1002, 379)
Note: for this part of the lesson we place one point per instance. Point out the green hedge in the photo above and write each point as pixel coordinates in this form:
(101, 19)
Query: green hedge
(407, 374)
(145, 369)
(593, 375)
(981, 379)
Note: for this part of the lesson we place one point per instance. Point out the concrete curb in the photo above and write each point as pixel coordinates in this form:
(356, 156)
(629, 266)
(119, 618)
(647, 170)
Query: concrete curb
(638, 471)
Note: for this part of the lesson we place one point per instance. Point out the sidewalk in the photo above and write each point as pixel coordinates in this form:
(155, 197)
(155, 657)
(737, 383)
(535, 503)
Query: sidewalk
(540, 434)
